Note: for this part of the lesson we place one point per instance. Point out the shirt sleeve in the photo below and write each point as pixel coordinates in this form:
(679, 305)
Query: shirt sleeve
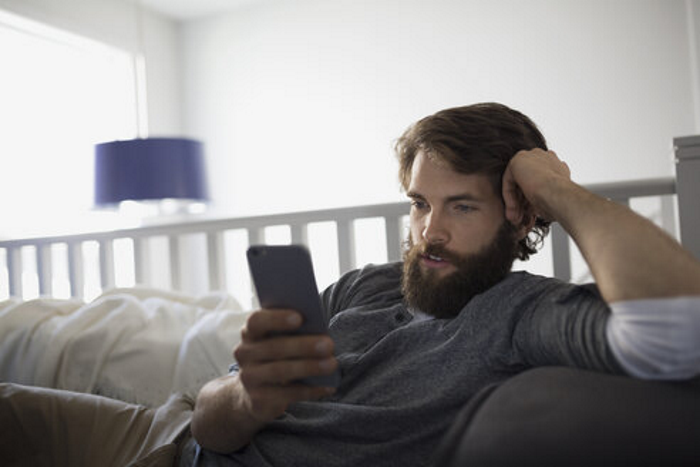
(656, 338)
(565, 325)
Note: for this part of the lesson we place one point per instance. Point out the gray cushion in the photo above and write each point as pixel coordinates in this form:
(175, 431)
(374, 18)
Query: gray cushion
(568, 417)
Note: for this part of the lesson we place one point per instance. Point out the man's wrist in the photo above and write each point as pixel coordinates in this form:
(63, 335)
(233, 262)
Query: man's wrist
(558, 199)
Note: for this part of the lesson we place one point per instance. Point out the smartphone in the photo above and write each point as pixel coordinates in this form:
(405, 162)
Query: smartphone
(284, 278)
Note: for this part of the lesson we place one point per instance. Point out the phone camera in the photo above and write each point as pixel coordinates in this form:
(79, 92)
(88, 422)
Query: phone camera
(257, 251)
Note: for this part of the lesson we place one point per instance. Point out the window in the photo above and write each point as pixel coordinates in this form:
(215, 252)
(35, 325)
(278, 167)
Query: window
(60, 94)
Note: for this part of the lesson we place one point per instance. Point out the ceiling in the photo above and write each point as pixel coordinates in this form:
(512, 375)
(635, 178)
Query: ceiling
(184, 10)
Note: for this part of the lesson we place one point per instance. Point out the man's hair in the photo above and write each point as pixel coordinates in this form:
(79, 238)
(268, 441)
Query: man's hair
(474, 139)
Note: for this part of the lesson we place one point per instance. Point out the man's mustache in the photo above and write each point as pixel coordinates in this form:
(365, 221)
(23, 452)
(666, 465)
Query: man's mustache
(432, 249)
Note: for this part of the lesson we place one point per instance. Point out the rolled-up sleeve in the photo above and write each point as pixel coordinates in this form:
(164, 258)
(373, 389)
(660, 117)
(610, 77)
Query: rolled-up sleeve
(656, 338)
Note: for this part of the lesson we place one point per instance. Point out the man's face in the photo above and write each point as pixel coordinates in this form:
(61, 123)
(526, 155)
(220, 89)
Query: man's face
(460, 243)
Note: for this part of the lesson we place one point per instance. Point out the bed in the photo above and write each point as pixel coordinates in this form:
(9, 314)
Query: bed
(158, 334)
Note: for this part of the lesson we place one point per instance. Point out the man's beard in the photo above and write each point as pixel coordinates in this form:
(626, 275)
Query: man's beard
(444, 297)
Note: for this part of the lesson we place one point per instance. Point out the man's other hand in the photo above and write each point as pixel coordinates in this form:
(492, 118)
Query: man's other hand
(525, 182)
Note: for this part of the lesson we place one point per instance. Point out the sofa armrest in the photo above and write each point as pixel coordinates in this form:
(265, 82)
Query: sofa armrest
(564, 416)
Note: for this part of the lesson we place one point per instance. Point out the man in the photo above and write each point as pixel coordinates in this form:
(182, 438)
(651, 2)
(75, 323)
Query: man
(415, 341)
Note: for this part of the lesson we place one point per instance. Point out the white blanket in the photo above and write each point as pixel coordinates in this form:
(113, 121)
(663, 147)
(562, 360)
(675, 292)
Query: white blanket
(138, 345)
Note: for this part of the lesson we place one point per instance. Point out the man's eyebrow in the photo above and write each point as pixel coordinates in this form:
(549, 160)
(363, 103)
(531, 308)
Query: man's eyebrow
(464, 197)
(450, 199)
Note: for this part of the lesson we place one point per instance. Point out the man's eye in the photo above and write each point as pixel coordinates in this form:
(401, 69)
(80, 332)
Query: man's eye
(417, 204)
(464, 208)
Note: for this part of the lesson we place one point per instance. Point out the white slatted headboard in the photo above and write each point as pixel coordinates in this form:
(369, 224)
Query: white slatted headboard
(392, 214)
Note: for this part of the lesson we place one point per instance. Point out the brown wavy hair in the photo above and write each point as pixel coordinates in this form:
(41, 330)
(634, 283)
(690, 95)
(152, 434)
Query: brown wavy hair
(475, 139)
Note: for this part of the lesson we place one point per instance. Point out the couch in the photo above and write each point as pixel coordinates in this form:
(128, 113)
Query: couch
(556, 416)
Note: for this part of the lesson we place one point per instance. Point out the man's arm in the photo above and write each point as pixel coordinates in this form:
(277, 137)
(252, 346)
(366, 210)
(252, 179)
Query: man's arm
(629, 256)
(232, 409)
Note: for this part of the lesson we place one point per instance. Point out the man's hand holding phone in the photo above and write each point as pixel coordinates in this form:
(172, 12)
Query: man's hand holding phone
(272, 360)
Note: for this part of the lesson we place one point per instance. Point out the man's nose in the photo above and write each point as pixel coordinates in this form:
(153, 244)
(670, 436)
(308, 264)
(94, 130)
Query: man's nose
(435, 230)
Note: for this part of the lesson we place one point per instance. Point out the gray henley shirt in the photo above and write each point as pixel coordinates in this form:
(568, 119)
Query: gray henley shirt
(404, 379)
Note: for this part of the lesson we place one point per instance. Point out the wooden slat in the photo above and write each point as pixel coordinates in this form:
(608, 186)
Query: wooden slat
(346, 245)
(668, 215)
(687, 151)
(256, 236)
(106, 258)
(142, 257)
(44, 269)
(14, 271)
(300, 234)
(633, 188)
(175, 266)
(75, 269)
(561, 254)
(394, 237)
(216, 260)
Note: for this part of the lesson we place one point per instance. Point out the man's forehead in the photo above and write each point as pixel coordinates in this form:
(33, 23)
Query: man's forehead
(432, 176)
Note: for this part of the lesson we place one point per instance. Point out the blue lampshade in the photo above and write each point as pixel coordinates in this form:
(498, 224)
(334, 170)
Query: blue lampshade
(149, 169)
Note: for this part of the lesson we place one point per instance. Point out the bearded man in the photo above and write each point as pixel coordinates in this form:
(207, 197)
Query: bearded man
(415, 341)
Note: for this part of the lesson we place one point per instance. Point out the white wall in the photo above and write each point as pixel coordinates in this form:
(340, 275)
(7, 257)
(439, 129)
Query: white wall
(286, 93)
(114, 22)
(299, 102)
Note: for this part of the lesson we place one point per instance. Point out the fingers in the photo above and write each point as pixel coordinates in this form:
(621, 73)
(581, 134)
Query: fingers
(518, 210)
(283, 359)
(281, 373)
(265, 322)
(512, 198)
(284, 347)
(528, 176)
(567, 169)
(270, 363)
(262, 342)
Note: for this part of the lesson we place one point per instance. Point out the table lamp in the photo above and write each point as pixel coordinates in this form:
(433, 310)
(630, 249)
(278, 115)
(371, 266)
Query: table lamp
(150, 170)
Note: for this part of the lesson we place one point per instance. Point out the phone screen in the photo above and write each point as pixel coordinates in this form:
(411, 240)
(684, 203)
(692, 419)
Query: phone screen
(284, 278)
